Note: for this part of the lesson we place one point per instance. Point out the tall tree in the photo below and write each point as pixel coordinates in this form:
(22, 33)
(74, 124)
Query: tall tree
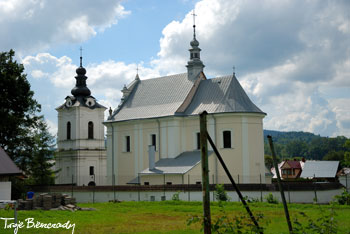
(23, 132)
(18, 112)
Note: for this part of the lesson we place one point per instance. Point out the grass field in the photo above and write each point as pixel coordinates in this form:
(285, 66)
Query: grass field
(166, 217)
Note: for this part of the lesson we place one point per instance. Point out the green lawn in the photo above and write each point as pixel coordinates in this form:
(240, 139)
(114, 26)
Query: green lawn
(166, 217)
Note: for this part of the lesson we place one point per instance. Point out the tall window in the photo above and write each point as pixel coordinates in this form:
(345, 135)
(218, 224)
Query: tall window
(154, 141)
(198, 140)
(91, 130)
(227, 139)
(91, 170)
(68, 130)
(127, 143)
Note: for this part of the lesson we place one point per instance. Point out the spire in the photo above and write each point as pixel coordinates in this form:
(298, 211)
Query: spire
(194, 25)
(80, 89)
(194, 65)
(81, 56)
(137, 73)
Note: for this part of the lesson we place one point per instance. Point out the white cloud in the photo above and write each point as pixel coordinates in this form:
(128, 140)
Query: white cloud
(288, 55)
(31, 25)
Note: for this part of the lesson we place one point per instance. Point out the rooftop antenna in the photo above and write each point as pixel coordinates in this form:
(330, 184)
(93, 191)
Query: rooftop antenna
(81, 56)
(194, 24)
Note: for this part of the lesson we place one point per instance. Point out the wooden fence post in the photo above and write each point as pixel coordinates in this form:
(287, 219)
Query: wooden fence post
(205, 172)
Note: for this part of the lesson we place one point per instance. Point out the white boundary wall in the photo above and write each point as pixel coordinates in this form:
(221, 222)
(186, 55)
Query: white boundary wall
(5, 190)
(324, 196)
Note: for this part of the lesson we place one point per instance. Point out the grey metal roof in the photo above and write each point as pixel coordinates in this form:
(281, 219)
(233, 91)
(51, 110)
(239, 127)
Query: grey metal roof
(162, 96)
(156, 97)
(320, 169)
(219, 95)
(7, 166)
(179, 165)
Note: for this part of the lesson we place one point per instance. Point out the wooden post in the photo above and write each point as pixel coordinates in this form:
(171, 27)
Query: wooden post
(280, 185)
(205, 172)
(261, 196)
(188, 188)
(72, 183)
(233, 183)
(346, 182)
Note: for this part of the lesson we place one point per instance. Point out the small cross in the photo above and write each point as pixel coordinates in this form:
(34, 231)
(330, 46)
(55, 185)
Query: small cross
(234, 69)
(137, 69)
(194, 18)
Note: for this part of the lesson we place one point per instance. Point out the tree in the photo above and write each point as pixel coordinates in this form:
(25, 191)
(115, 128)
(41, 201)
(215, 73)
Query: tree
(42, 156)
(23, 133)
(18, 110)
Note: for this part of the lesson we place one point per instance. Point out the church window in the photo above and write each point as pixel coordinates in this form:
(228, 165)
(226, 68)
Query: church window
(68, 130)
(198, 140)
(127, 143)
(91, 130)
(227, 139)
(154, 141)
(92, 172)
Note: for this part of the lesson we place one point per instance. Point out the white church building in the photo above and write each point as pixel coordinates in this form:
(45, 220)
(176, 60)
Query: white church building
(153, 135)
(81, 152)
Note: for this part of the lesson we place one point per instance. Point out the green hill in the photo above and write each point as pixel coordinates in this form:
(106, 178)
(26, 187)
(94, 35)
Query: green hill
(303, 144)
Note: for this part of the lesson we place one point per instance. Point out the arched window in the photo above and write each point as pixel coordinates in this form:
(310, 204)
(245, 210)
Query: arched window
(68, 130)
(91, 130)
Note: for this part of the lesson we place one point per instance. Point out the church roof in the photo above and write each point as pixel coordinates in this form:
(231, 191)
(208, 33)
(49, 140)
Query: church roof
(160, 97)
(179, 165)
(7, 166)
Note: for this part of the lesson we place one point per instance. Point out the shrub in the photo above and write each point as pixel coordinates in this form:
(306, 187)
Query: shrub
(176, 196)
(240, 224)
(343, 198)
(220, 193)
(271, 199)
(325, 224)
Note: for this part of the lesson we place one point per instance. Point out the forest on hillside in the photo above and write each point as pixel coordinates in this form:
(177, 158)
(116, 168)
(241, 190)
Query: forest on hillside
(290, 145)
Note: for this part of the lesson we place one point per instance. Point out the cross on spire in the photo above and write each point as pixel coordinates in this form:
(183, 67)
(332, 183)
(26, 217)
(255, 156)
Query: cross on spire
(137, 69)
(234, 70)
(194, 24)
(81, 56)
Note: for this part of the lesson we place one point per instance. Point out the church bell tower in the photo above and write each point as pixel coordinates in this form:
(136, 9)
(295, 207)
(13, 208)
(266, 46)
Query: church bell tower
(81, 156)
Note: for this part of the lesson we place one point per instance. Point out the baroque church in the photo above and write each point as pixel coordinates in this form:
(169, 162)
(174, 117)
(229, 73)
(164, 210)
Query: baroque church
(153, 135)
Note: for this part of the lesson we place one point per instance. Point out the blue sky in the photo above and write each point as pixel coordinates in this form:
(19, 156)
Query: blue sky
(292, 57)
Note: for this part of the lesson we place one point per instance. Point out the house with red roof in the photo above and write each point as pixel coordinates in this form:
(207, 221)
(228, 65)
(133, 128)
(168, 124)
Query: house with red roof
(291, 169)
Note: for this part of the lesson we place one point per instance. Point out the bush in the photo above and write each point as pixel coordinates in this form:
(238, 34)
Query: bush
(220, 193)
(240, 224)
(271, 199)
(343, 198)
(176, 196)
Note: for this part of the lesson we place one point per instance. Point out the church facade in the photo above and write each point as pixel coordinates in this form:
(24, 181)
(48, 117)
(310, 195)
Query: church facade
(81, 152)
(153, 135)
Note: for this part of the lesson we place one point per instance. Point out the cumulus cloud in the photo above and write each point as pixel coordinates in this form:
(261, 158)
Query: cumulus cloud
(291, 57)
(286, 54)
(31, 25)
